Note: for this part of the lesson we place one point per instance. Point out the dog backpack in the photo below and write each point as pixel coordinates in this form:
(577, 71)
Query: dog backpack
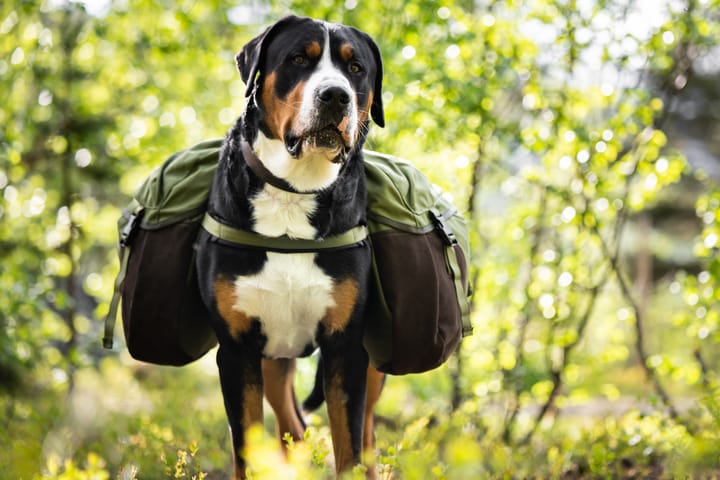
(164, 319)
(418, 306)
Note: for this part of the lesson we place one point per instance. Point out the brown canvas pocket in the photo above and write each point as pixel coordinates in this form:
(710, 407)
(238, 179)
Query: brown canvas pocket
(414, 300)
(164, 319)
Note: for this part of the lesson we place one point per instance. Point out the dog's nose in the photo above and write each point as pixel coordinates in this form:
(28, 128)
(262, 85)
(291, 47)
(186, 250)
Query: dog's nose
(333, 96)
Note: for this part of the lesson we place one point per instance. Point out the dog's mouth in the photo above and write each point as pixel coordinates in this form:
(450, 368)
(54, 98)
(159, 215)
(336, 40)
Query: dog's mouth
(329, 140)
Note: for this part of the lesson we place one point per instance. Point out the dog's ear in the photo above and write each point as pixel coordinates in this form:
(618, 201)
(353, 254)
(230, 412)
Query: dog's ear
(376, 110)
(248, 60)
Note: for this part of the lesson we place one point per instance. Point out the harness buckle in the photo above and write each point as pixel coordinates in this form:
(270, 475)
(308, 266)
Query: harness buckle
(442, 227)
(130, 228)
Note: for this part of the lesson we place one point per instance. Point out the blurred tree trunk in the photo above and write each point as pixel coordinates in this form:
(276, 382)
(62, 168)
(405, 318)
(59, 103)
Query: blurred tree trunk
(643, 271)
(73, 21)
(456, 373)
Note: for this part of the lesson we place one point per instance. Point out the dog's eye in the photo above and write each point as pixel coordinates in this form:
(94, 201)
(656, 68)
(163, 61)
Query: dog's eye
(298, 60)
(355, 68)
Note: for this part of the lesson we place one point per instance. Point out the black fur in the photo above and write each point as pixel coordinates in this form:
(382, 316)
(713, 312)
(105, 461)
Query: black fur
(340, 207)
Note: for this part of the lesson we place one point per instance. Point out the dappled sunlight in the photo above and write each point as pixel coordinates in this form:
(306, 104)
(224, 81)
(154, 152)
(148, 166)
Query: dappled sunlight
(580, 140)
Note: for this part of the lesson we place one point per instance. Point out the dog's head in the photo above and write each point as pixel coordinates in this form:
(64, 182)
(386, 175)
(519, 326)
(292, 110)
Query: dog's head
(315, 85)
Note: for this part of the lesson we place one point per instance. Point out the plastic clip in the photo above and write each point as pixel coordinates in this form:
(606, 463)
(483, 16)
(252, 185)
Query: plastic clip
(443, 228)
(130, 228)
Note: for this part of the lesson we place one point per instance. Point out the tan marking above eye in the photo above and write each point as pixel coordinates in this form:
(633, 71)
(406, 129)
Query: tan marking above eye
(346, 51)
(313, 50)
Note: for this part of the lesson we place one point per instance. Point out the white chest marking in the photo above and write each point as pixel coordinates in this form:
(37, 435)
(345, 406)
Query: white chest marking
(280, 213)
(313, 171)
(289, 296)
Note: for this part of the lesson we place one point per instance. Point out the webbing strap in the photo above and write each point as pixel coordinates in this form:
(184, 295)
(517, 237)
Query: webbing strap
(115, 302)
(261, 170)
(126, 235)
(440, 222)
(454, 266)
(284, 243)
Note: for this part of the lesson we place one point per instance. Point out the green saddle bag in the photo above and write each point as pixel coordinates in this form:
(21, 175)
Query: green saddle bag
(418, 308)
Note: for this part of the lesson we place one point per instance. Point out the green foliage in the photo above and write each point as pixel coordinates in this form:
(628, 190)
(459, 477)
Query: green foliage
(551, 123)
(94, 469)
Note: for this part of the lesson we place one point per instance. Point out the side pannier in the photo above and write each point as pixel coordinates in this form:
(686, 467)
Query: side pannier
(419, 302)
(164, 319)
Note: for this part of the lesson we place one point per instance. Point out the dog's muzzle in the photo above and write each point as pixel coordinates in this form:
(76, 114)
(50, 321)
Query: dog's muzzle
(329, 127)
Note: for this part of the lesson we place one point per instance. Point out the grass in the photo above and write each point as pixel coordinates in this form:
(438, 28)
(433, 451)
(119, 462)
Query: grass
(134, 422)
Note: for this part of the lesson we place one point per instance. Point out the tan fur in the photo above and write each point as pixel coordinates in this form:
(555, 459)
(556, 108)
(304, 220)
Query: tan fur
(252, 414)
(336, 399)
(346, 51)
(278, 377)
(364, 113)
(281, 112)
(345, 295)
(238, 322)
(375, 381)
(313, 50)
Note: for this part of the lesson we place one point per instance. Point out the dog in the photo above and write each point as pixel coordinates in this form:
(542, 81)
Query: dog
(292, 166)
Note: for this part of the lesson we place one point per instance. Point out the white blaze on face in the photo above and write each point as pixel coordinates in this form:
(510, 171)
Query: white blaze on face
(326, 75)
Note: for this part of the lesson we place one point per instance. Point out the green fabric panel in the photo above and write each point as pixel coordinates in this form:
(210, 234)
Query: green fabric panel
(399, 195)
(179, 188)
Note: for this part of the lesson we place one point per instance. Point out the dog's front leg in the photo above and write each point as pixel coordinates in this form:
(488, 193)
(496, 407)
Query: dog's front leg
(344, 383)
(241, 382)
